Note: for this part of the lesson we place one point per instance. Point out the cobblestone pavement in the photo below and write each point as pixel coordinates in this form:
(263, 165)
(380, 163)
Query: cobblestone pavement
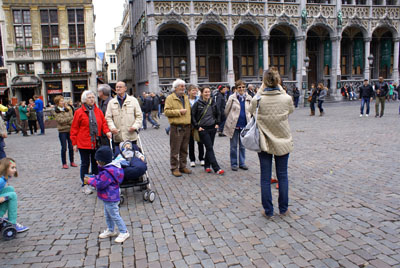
(344, 202)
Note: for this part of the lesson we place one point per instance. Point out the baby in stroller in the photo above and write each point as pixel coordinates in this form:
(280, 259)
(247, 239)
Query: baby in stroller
(132, 161)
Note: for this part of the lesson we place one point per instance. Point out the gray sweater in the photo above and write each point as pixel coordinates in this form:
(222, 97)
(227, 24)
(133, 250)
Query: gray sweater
(322, 94)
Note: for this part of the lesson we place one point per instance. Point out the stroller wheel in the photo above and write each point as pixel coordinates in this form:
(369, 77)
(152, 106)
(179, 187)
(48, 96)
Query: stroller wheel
(146, 195)
(144, 187)
(9, 233)
(152, 196)
(121, 199)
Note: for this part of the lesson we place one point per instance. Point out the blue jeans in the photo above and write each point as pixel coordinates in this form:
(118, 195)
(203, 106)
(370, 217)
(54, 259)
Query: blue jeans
(64, 139)
(281, 165)
(296, 101)
(312, 106)
(2, 144)
(148, 117)
(222, 124)
(235, 140)
(111, 212)
(40, 119)
(365, 101)
(320, 102)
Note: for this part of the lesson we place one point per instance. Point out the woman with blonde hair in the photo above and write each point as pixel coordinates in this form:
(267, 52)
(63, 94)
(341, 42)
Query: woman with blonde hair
(274, 107)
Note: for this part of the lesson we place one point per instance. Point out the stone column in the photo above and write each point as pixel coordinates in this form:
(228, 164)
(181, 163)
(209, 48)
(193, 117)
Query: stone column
(265, 39)
(335, 74)
(89, 26)
(367, 48)
(193, 71)
(301, 68)
(154, 69)
(231, 73)
(35, 26)
(63, 27)
(396, 60)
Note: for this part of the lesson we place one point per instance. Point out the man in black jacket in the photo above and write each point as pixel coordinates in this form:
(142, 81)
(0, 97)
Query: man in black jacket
(104, 92)
(155, 107)
(366, 94)
(381, 90)
(220, 100)
(147, 108)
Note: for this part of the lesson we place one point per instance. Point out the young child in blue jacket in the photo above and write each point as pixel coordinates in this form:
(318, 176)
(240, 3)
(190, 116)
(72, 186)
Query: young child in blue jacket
(107, 184)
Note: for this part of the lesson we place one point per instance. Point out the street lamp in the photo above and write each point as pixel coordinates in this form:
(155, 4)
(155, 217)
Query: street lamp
(182, 64)
(306, 64)
(370, 61)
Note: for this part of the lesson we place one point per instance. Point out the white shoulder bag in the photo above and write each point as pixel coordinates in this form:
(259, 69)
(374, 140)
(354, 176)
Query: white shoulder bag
(250, 135)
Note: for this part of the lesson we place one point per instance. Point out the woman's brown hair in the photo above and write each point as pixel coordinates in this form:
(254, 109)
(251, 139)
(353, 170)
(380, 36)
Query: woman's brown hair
(57, 99)
(4, 165)
(239, 82)
(271, 77)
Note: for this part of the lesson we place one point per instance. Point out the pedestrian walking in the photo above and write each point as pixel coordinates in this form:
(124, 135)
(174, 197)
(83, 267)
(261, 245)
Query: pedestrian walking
(314, 95)
(147, 108)
(32, 118)
(23, 110)
(177, 109)
(275, 139)
(11, 117)
(124, 117)
(107, 185)
(205, 119)
(366, 95)
(220, 101)
(88, 124)
(237, 115)
(296, 96)
(381, 91)
(193, 97)
(63, 115)
(8, 197)
(3, 135)
(162, 102)
(39, 113)
(155, 107)
(322, 91)
(395, 92)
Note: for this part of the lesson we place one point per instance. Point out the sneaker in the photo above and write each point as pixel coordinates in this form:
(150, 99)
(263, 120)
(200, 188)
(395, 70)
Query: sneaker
(121, 237)
(244, 167)
(107, 233)
(208, 170)
(273, 180)
(65, 166)
(361, 115)
(192, 164)
(20, 228)
(87, 190)
(234, 168)
(220, 172)
(73, 164)
(366, 115)
(202, 163)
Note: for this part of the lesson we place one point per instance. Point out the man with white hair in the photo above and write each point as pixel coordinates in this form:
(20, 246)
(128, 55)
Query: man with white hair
(177, 109)
(251, 90)
(104, 92)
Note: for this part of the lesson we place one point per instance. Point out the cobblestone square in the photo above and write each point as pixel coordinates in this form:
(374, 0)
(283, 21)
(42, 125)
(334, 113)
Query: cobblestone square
(344, 199)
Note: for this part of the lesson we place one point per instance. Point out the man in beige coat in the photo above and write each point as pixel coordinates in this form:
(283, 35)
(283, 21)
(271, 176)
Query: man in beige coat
(177, 109)
(124, 116)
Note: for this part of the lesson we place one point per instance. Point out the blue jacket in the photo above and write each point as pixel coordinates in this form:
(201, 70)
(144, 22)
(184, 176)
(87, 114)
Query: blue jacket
(39, 105)
(107, 182)
(3, 183)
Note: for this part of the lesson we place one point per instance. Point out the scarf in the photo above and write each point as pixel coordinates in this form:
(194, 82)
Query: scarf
(241, 98)
(92, 123)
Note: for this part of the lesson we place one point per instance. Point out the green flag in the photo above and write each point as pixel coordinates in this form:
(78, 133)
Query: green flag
(260, 54)
(386, 52)
(293, 54)
(358, 51)
(328, 53)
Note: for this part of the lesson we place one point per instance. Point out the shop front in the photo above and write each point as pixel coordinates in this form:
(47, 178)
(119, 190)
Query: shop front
(53, 89)
(77, 88)
(24, 88)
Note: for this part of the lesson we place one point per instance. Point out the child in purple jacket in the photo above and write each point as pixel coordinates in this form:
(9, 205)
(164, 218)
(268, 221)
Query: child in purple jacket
(107, 185)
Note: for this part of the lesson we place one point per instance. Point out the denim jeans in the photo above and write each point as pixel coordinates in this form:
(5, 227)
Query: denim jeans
(312, 106)
(207, 137)
(111, 213)
(234, 142)
(296, 101)
(281, 165)
(2, 144)
(87, 159)
(320, 102)
(64, 139)
(39, 116)
(200, 147)
(149, 118)
(222, 124)
(365, 101)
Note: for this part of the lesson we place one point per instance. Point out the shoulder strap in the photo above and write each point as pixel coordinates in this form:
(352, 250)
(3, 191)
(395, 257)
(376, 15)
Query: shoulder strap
(204, 112)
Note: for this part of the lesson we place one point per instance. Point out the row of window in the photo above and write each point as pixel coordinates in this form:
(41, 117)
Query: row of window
(51, 67)
(344, 2)
(49, 27)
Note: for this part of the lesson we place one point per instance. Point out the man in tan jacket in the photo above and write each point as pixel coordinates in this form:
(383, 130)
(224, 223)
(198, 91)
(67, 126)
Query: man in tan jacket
(123, 116)
(177, 109)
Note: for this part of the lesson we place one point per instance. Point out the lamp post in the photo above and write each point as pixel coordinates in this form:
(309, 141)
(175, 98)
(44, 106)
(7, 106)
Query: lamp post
(305, 85)
(370, 61)
(182, 64)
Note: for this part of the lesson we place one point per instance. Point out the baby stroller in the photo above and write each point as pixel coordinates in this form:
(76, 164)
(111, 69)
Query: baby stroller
(133, 166)
(7, 229)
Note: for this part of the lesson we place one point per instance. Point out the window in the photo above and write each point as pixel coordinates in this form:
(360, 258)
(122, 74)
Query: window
(3, 80)
(244, 49)
(112, 59)
(113, 46)
(113, 75)
(26, 68)
(78, 66)
(278, 51)
(76, 28)
(22, 29)
(377, 2)
(390, 2)
(52, 67)
(319, 1)
(49, 23)
(171, 51)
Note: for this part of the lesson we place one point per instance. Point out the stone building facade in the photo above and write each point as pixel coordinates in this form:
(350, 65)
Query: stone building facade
(50, 48)
(110, 57)
(213, 42)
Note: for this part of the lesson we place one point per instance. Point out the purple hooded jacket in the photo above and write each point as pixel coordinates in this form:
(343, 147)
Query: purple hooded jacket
(107, 182)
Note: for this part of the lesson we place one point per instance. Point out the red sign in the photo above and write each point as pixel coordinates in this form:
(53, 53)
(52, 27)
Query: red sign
(54, 91)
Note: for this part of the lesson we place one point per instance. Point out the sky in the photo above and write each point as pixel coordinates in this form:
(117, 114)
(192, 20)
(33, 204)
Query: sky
(108, 16)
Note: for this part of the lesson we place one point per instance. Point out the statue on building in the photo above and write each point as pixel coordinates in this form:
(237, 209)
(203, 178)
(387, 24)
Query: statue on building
(339, 18)
(304, 18)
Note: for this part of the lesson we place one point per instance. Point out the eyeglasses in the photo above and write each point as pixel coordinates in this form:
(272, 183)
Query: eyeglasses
(241, 87)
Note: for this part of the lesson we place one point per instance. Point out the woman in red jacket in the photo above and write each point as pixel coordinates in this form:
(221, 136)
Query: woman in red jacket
(88, 124)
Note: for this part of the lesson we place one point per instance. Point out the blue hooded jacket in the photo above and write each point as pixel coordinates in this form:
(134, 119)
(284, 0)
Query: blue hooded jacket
(107, 182)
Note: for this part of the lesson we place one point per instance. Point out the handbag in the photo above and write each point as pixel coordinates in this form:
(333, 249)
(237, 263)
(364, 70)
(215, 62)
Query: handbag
(250, 135)
(195, 132)
(309, 98)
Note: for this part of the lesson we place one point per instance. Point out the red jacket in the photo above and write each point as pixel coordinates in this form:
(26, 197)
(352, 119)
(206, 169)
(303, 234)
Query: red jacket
(80, 132)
